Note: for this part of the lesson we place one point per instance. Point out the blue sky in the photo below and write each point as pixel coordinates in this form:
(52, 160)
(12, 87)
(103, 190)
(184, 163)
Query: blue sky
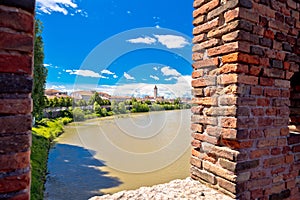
(123, 47)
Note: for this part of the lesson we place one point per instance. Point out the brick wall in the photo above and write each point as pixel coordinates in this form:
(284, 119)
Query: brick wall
(245, 53)
(16, 52)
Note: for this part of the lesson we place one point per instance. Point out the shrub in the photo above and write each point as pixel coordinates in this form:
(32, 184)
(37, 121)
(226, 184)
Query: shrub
(78, 114)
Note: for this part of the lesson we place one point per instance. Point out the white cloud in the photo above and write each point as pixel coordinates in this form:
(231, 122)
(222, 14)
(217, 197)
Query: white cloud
(105, 71)
(115, 76)
(86, 73)
(172, 41)
(128, 12)
(181, 88)
(155, 68)
(143, 40)
(157, 26)
(61, 6)
(171, 78)
(46, 65)
(167, 71)
(128, 77)
(154, 77)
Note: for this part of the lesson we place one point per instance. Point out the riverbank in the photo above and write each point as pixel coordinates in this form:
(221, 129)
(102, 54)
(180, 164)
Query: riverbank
(42, 136)
(177, 189)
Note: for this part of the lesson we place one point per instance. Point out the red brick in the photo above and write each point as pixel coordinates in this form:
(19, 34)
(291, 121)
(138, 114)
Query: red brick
(257, 174)
(198, 38)
(198, 3)
(15, 142)
(197, 109)
(227, 79)
(213, 62)
(206, 26)
(265, 121)
(258, 111)
(204, 120)
(289, 159)
(206, 8)
(195, 153)
(225, 152)
(213, 131)
(254, 134)
(197, 56)
(15, 106)
(274, 161)
(205, 101)
(197, 128)
(259, 183)
(229, 122)
(205, 138)
(264, 10)
(205, 45)
(267, 143)
(272, 132)
(15, 183)
(15, 124)
(250, 80)
(218, 32)
(198, 92)
(204, 81)
(229, 133)
(221, 111)
(255, 70)
(14, 161)
(209, 91)
(263, 102)
(227, 100)
(258, 153)
(17, 20)
(15, 64)
(256, 194)
(275, 151)
(196, 143)
(16, 42)
(21, 196)
(241, 58)
(238, 68)
(231, 15)
(198, 20)
(256, 90)
(272, 92)
(195, 162)
(266, 81)
(226, 48)
(269, 34)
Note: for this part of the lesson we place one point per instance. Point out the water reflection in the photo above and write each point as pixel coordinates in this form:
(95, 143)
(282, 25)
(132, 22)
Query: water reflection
(75, 174)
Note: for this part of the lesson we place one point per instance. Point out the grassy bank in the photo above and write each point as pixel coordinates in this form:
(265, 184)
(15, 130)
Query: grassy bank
(43, 134)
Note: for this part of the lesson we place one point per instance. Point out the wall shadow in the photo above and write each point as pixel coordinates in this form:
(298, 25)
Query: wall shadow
(74, 174)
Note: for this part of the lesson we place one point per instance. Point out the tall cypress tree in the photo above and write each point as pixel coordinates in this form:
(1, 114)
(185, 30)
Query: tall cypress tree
(40, 72)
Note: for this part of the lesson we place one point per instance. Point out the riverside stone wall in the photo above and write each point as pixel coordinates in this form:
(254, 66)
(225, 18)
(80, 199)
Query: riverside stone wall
(16, 59)
(245, 53)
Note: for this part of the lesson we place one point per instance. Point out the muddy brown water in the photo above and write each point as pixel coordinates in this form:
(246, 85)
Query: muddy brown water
(111, 154)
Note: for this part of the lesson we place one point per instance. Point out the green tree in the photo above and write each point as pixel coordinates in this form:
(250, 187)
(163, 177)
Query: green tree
(122, 108)
(40, 72)
(97, 108)
(114, 107)
(55, 102)
(95, 98)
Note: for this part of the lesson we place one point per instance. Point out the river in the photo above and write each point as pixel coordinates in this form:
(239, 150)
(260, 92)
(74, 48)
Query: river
(111, 154)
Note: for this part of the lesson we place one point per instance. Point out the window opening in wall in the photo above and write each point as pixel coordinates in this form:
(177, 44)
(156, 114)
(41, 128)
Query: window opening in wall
(294, 124)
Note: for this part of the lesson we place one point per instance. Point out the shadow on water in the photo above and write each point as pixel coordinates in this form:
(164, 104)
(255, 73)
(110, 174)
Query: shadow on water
(76, 174)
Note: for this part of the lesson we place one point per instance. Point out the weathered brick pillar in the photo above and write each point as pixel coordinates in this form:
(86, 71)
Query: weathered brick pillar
(245, 53)
(16, 52)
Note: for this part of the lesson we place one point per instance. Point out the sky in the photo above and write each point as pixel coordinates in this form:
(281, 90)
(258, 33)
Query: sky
(122, 47)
